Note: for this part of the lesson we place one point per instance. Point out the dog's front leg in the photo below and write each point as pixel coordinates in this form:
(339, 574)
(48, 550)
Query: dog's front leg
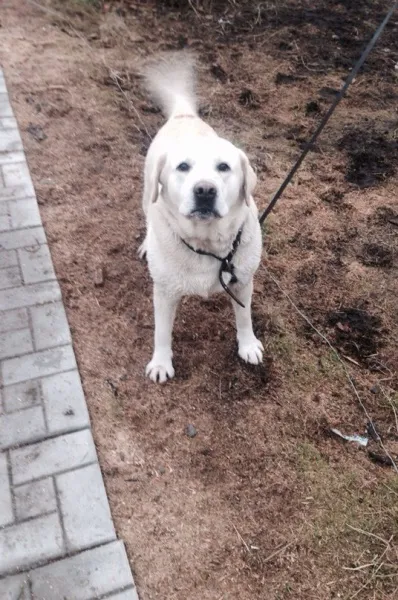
(250, 348)
(165, 304)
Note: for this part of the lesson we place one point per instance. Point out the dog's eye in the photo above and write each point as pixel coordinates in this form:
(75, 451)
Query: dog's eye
(183, 167)
(223, 167)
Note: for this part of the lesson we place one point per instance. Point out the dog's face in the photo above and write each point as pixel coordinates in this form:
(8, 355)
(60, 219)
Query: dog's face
(204, 179)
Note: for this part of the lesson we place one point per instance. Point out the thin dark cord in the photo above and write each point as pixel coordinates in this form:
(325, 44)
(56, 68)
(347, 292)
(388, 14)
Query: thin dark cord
(329, 113)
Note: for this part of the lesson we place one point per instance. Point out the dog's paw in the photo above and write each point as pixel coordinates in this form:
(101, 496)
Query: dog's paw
(160, 370)
(142, 250)
(251, 351)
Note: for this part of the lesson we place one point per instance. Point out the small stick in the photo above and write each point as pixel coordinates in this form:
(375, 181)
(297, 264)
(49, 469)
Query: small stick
(278, 551)
(241, 539)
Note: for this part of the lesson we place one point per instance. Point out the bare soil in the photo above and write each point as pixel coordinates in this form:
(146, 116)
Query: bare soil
(263, 502)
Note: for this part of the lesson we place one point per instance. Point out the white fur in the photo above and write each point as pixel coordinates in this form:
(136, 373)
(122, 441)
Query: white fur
(168, 203)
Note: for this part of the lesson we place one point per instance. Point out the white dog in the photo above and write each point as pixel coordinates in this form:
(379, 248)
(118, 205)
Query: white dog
(203, 233)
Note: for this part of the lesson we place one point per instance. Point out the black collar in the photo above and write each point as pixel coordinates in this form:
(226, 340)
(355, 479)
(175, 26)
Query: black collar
(226, 264)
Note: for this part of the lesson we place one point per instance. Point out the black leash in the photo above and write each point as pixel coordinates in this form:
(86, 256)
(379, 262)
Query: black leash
(226, 264)
(329, 113)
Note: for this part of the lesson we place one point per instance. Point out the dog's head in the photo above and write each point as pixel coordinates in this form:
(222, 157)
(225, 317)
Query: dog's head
(204, 178)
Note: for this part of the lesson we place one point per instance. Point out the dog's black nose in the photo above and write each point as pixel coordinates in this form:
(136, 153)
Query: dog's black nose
(205, 194)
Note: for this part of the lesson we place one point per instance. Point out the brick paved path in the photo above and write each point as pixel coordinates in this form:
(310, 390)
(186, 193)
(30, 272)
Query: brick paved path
(57, 540)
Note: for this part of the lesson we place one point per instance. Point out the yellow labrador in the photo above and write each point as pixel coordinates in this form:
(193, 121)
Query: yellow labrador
(202, 225)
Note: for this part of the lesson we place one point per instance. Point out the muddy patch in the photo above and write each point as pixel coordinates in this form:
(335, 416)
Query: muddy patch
(372, 156)
(357, 332)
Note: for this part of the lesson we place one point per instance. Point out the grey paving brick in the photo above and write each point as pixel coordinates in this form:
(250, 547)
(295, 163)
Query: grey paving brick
(23, 238)
(24, 213)
(38, 364)
(7, 158)
(10, 277)
(8, 258)
(16, 174)
(21, 396)
(14, 343)
(10, 140)
(3, 88)
(50, 326)
(52, 456)
(5, 223)
(3, 206)
(25, 544)
(87, 522)
(86, 576)
(130, 594)
(5, 106)
(13, 319)
(6, 514)
(16, 192)
(36, 264)
(64, 402)
(30, 295)
(8, 122)
(15, 587)
(22, 427)
(34, 499)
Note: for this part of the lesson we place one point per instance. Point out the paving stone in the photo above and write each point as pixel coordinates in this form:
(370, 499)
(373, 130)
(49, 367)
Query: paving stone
(5, 223)
(64, 402)
(10, 140)
(21, 396)
(88, 575)
(36, 265)
(130, 594)
(13, 319)
(87, 522)
(6, 514)
(5, 106)
(38, 364)
(8, 258)
(10, 277)
(15, 587)
(23, 238)
(24, 213)
(7, 158)
(22, 427)
(34, 499)
(65, 452)
(30, 295)
(50, 326)
(16, 174)
(25, 544)
(3, 206)
(14, 343)
(3, 88)
(8, 122)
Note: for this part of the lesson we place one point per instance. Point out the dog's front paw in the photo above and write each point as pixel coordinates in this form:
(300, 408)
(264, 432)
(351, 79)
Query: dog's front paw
(159, 370)
(142, 250)
(251, 351)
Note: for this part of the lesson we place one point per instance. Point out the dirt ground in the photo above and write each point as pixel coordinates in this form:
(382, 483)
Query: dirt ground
(264, 502)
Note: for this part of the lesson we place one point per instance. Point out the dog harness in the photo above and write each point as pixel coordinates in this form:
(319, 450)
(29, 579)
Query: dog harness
(226, 266)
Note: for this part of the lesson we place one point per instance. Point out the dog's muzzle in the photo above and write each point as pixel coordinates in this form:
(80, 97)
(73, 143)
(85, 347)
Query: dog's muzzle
(205, 195)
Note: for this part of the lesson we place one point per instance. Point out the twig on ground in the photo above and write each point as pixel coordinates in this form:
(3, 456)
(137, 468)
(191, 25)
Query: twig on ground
(337, 355)
(241, 539)
(278, 551)
(394, 410)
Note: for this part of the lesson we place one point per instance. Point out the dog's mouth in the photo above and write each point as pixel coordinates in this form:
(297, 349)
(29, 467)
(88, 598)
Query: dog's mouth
(204, 214)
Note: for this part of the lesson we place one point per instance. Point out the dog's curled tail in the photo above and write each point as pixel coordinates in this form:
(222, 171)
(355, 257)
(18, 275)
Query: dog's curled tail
(171, 82)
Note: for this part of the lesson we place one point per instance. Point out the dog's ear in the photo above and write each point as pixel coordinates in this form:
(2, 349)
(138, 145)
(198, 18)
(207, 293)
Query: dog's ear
(152, 181)
(249, 178)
